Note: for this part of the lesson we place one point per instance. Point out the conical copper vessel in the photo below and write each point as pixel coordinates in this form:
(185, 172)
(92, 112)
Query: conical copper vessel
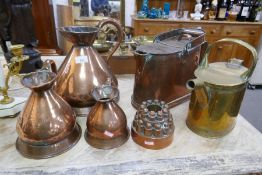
(47, 125)
(83, 68)
(106, 122)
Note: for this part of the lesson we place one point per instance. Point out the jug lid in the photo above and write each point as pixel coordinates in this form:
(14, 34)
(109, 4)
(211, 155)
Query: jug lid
(223, 73)
(161, 49)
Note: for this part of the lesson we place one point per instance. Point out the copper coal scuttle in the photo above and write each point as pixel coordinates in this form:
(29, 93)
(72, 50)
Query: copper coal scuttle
(163, 67)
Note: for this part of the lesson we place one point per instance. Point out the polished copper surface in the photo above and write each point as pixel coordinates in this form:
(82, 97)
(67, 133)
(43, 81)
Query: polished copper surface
(46, 121)
(217, 93)
(83, 68)
(48, 151)
(161, 75)
(106, 122)
(153, 126)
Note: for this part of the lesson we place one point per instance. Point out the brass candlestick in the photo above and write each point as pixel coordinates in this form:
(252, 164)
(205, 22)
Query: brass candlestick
(14, 67)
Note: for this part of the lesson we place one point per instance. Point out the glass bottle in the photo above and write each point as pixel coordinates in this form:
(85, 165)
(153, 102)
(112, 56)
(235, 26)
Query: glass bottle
(206, 10)
(253, 12)
(222, 10)
(213, 10)
(232, 13)
(244, 11)
(180, 8)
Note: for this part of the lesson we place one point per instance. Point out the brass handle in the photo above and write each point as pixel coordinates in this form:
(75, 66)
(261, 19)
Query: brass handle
(229, 32)
(146, 29)
(120, 34)
(252, 32)
(245, 75)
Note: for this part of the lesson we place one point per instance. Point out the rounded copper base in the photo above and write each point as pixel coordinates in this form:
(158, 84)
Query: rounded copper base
(47, 151)
(151, 143)
(106, 144)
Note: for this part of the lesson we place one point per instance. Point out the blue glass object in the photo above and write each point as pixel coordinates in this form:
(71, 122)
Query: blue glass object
(153, 13)
(160, 13)
(142, 14)
(166, 8)
(144, 6)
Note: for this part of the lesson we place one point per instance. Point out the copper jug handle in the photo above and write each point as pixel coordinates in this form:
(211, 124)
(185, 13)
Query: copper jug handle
(246, 75)
(49, 64)
(119, 35)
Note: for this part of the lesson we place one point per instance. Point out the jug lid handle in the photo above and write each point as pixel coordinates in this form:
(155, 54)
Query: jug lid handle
(247, 74)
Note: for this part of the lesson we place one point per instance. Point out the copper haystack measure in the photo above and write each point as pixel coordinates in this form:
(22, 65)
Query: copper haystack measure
(106, 122)
(83, 68)
(47, 125)
(218, 91)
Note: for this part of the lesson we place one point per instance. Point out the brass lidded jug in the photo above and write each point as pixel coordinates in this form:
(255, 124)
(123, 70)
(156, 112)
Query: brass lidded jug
(83, 68)
(47, 125)
(106, 122)
(218, 91)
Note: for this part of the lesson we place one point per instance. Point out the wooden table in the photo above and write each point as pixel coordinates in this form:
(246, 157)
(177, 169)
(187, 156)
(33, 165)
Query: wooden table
(238, 152)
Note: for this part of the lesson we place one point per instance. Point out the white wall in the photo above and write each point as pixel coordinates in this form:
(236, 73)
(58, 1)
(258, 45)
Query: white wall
(130, 10)
(57, 2)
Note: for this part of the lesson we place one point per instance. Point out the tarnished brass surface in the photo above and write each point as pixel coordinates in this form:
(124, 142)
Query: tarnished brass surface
(47, 125)
(153, 126)
(83, 68)
(163, 76)
(106, 122)
(217, 94)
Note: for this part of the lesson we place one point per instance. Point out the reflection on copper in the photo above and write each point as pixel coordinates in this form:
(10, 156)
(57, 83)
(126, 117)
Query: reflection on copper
(47, 125)
(106, 122)
(83, 68)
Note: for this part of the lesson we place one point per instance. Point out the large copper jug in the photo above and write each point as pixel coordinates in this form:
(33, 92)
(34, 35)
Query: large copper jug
(83, 68)
(218, 91)
(47, 125)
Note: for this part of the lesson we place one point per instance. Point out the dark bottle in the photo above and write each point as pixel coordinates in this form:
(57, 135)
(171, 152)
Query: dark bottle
(230, 4)
(206, 11)
(253, 12)
(222, 10)
(213, 10)
(238, 5)
(244, 11)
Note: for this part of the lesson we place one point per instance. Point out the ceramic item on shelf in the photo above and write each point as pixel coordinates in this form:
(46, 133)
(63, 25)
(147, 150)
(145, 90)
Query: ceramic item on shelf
(163, 67)
(47, 125)
(106, 122)
(217, 93)
(153, 126)
(83, 68)
(198, 8)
